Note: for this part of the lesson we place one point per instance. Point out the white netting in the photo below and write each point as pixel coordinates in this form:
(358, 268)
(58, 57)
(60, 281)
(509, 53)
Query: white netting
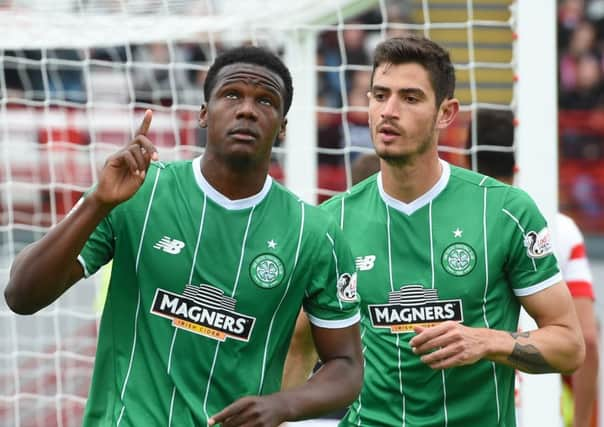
(76, 76)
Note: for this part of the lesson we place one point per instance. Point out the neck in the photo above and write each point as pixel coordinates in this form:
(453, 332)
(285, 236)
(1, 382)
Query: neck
(506, 179)
(232, 179)
(409, 181)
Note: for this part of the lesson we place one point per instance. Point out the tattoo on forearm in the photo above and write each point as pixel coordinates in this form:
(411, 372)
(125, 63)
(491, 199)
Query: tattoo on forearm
(528, 358)
(520, 334)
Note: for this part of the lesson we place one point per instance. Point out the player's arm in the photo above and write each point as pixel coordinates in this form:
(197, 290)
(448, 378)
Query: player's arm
(575, 269)
(339, 380)
(334, 386)
(302, 356)
(556, 346)
(47, 268)
(585, 379)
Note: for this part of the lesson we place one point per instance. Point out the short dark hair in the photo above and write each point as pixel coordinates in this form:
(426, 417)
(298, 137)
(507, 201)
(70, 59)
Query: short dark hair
(251, 55)
(421, 50)
(494, 127)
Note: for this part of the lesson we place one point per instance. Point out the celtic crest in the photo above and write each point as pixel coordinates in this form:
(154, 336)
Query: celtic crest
(459, 259)
(267, 271)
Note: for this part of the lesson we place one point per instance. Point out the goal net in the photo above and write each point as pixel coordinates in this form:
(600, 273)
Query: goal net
(76, 76)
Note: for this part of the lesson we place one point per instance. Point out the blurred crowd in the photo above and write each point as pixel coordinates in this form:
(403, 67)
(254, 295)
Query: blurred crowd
(581, 103)
(581, 54)
(172, 75)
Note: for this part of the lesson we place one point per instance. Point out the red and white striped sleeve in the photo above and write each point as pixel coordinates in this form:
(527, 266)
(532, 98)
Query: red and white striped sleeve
(570, 250)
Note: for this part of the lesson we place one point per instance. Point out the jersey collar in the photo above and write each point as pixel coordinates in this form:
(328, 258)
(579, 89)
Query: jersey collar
(224, 201)
(423, 200)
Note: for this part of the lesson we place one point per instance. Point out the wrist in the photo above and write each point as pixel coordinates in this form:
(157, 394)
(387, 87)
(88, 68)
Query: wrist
(97, 204)
(497, 344)
(285, 407)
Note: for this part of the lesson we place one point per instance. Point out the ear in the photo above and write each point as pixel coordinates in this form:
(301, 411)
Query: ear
(281, 134)
(203, 116)
(447, 113)
(368, 115)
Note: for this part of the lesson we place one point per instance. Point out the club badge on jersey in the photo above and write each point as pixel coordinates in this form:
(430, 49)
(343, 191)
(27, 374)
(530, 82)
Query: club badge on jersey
(458, 259)
(347, 287)
(538, 245)
(267, 271)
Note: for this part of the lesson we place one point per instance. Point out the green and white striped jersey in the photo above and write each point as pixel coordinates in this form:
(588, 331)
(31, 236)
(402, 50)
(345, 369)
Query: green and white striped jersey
(464, 251)
(204, 294)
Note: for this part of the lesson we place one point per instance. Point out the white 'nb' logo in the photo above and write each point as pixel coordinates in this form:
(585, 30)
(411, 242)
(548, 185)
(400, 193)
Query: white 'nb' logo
(364, 263)
(171, 246)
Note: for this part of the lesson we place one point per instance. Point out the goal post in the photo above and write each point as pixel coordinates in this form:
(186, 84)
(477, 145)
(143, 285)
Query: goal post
(536, 101)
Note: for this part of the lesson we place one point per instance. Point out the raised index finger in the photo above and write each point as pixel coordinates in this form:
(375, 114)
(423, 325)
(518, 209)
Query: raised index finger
(146, 123)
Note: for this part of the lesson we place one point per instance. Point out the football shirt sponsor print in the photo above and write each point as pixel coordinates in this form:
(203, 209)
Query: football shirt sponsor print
(413, 305)
(203, 310)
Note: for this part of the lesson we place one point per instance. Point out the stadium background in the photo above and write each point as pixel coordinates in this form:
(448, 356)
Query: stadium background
(51, 143)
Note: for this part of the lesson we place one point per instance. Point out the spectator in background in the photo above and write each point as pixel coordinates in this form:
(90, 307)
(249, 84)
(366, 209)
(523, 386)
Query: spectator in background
(160, 78)
(582, 42)
(595, 13)
(331, 55)
(497, 128)
(570, 13)
(23, 74)
(587, 93)
(65, 75)
(329, 133)
(196, 76)
(585, 192)
(356, 117)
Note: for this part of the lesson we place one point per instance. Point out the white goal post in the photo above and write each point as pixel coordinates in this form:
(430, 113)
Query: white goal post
(53, 139)
(537, 156)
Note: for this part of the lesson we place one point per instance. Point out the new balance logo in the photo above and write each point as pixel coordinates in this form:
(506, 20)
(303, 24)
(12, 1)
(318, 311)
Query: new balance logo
(364, 263)
(171, 246)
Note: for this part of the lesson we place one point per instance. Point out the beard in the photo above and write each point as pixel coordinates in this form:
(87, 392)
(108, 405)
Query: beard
(408, 151)
(396, 157)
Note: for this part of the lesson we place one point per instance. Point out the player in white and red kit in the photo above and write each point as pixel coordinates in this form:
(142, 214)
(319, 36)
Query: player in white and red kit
(496, 128)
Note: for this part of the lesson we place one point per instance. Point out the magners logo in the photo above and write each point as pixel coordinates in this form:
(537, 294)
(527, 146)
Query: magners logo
(203, 310)
(414, 305)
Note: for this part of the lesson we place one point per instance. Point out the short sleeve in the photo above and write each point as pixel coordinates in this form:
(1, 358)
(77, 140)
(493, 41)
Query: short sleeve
(572, 257)
(99, 247)
(331, 299)
(531, 264)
